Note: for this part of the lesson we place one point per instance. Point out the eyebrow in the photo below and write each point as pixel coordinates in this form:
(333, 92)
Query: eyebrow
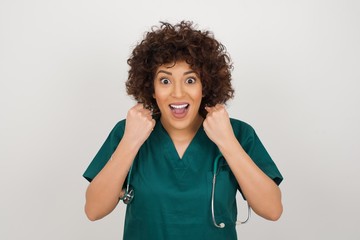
(169, 73)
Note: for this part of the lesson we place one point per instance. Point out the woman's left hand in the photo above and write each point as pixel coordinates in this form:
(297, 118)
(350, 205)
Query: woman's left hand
(217, 125)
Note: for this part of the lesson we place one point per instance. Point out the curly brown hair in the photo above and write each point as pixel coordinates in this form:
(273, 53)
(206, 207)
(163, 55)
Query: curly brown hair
(180, 42)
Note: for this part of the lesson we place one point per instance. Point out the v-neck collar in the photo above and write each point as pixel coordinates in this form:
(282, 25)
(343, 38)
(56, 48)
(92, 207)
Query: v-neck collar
(170, 146)
(180, 166)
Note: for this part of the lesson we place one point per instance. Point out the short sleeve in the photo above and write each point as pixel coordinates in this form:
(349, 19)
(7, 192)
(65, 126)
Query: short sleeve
(251, 143)
(105, 152)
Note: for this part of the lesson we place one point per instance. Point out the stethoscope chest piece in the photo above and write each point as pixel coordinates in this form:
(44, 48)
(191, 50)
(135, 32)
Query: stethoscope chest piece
(129, 191)
(129, 196)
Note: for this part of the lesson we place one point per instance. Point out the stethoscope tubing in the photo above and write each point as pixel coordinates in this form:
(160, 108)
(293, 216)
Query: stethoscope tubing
(222, 225)
(129, 194)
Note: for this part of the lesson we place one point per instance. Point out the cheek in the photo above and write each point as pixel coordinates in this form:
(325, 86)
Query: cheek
(159, 92)
(198, 95)
(160, 98)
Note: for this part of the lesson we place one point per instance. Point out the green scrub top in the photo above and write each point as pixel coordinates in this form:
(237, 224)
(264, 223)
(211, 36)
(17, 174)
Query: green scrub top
(172, 195)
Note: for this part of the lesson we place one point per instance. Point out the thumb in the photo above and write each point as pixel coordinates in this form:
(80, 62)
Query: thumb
(208, 109)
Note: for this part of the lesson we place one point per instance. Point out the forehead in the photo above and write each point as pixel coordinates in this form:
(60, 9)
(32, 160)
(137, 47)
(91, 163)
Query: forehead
(175, 67)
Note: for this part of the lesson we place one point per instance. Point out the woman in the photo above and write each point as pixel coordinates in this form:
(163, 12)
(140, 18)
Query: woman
(180, 78)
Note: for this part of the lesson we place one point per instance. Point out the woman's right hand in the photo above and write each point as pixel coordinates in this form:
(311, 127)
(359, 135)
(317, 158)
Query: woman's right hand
(139, 125)
(105, 190)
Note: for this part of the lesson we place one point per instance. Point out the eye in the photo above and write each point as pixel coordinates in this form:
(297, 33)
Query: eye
(190, 80)
(164, 81)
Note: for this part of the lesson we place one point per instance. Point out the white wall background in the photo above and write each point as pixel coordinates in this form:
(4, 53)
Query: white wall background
(62, 71)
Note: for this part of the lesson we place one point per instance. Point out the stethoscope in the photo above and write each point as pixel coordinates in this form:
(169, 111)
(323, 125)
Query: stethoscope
(216, 169)
(129, 194)
(129, 191)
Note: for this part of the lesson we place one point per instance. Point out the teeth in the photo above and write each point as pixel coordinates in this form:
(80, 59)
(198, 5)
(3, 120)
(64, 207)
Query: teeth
(179, 106)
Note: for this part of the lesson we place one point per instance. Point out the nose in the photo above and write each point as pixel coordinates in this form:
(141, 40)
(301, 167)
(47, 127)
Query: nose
(178, 90)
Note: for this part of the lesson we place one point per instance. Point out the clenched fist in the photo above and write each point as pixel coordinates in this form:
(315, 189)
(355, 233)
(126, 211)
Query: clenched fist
(217, 125)
(139, 124)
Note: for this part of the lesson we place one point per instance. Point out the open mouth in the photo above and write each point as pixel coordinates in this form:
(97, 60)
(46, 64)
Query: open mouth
(179, 110)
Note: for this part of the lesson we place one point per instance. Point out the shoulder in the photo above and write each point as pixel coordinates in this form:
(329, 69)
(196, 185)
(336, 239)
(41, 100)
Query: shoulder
(120, 126)
(118, 129)
(243, 131)
(241, 126)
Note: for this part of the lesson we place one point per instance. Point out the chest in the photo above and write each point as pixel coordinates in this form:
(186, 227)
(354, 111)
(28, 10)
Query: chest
(159, 171)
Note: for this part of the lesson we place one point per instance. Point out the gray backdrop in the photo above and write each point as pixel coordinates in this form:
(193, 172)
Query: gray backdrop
(63, 67)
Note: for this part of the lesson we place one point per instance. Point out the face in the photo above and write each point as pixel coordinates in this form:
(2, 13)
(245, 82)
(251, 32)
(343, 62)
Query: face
(178, 94)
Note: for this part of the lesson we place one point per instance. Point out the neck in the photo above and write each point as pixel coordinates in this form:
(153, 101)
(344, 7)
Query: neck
(186, 134)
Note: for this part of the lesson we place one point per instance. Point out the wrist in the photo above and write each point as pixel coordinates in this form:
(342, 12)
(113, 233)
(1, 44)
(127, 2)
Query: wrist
(131, 143)
(227, 143)
(230, 147)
